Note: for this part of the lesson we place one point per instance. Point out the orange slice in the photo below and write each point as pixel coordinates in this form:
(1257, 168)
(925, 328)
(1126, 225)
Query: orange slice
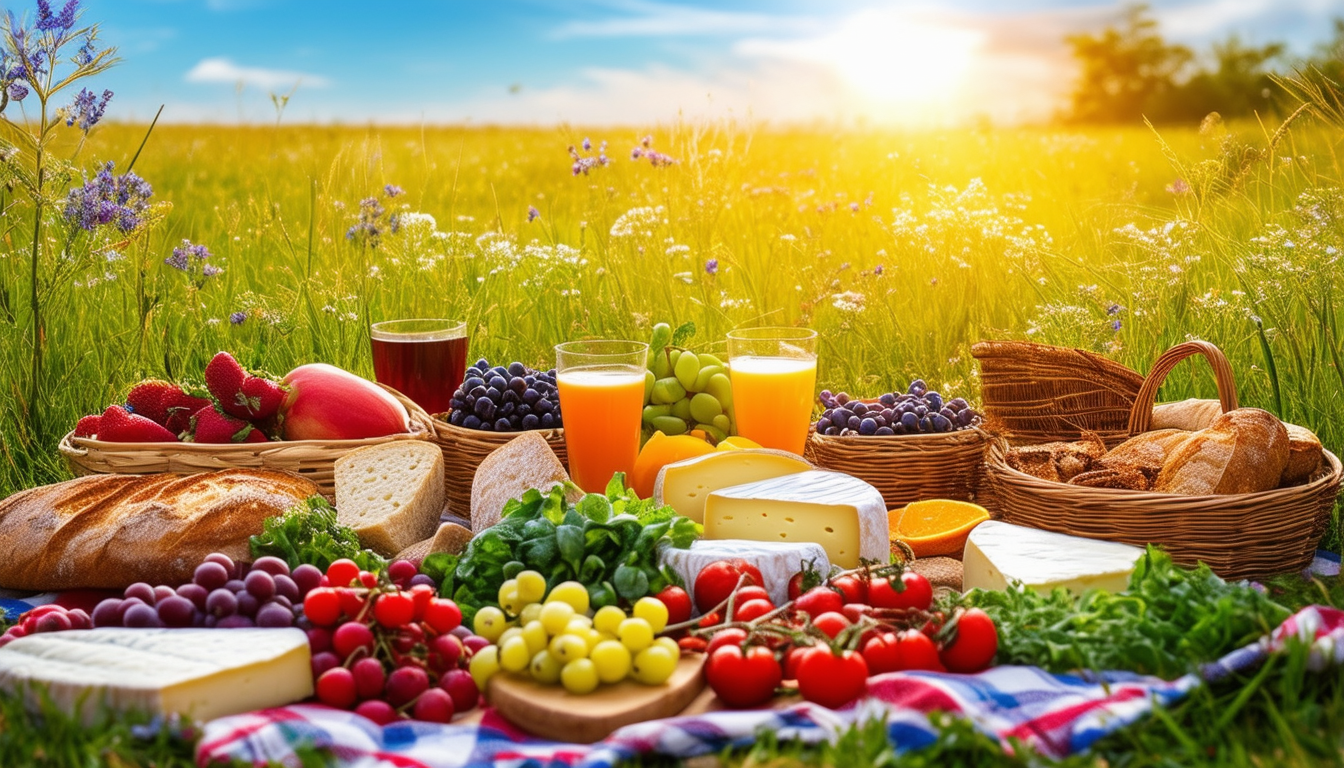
(936, 527)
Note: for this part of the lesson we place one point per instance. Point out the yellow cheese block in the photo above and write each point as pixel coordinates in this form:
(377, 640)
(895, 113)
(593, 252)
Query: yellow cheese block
(843, 514)
(685, 485)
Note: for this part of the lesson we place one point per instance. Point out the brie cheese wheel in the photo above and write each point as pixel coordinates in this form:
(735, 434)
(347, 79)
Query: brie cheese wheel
(201, 674)
(686, 484)
(998, 554)
(777, 561)
(843, 514)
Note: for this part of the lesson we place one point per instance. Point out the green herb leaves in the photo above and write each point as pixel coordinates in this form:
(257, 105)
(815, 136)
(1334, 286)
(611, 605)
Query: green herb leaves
(309, 533)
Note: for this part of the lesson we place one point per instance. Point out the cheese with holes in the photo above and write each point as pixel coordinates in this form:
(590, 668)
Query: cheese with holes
(777, 561)
(999, 553)
(686, 484)
(197, 673)
(843, 514)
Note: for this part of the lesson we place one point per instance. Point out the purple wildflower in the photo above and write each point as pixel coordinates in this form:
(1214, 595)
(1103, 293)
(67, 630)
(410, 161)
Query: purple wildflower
(712, 266)
(86, 52)
(878, 269)
(193, 259)
(61, 22)
(1178, 187)
(237, 318)
(532, 213)
(647, 141)
(583, 164)
(17, 91)
(645, 149)
(369, 228)
(393, 190)
(87, 109)
(587, 144)
(1115, 325)
(854, 207)
(210, 270)
(635, 153)
(109, 200)
(1114, 309)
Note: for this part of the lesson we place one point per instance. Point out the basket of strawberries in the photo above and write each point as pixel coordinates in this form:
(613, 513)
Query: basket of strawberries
(300, 423)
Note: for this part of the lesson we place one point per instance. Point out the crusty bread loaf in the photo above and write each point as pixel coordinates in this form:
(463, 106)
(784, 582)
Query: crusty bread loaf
(451, 538)
(1190, 415)
(1057, 462)
(1304, 455)
(1243, 451)
(1135, 463)
(110, 531)
(391, 493)
(523, 463)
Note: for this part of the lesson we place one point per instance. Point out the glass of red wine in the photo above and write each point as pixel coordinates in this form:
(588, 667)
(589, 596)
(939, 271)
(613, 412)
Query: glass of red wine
(424, 360)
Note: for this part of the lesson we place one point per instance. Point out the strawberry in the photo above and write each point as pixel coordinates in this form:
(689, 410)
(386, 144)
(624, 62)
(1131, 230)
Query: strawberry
(180, 406)
(224, 378)
(117, 425)
(257, 436)
(210, 425)
(261, 397)
(146, 399)
(88, 426)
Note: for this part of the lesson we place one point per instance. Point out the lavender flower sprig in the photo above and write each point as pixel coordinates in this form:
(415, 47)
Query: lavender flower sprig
(193, 259)
(107, 199)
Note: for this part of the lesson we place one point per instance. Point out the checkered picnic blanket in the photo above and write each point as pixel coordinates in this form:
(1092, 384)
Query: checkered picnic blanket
(1057, 714)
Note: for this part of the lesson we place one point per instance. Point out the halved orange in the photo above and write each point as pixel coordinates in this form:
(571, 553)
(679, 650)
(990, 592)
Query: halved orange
(936, 527)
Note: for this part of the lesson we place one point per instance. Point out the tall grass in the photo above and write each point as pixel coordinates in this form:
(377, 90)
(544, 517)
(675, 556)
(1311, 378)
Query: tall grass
(901, 249)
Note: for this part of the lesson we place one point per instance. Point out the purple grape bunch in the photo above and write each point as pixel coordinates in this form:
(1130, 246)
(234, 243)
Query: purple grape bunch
(916, 412)
(506, 399)
(222, 594)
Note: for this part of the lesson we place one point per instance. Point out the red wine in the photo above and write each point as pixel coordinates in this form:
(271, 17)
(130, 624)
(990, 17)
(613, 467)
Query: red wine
(425, 371)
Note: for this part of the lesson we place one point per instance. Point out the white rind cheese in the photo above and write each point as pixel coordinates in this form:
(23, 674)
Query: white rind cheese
(777, 561)
(999, 553)
(843, 514)
(198, 673)
(686, 484)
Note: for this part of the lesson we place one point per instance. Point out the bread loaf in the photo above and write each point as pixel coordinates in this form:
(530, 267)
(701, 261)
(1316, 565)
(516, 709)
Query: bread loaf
(451, 538)
(1057, 462)
(1135, 463)
(391, 493)
(110, 531)
(1243, 451)
(1190, 415)
(1304, 455)
(523, 463)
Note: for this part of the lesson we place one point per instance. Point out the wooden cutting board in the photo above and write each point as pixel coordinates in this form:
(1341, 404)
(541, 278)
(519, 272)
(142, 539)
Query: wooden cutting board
(551, 712)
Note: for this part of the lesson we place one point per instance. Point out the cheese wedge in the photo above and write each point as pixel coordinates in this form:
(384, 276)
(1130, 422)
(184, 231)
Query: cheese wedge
(998, 554)
(843, 514)
(777, 561)
(197, 673)
(686, 484)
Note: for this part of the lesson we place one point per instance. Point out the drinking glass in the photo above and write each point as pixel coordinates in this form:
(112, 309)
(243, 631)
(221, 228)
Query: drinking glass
(423, 359)
(601, 398)
(774, 375)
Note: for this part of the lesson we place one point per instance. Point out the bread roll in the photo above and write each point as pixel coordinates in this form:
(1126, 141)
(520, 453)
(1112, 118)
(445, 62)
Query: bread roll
(1304, 455)
(110, 531)
(1243, 451)
(1190, 415)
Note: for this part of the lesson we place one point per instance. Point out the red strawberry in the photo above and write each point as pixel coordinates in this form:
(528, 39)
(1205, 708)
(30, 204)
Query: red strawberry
(257, 436)
(88, 426)
(117, 425)
(261, 397)
(224, 378)
(210, 425)
(146, 399)
(180, 406)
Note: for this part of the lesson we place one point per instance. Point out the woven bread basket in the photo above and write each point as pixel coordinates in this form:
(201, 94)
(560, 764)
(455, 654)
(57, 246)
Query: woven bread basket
(313, 459)
(1035, 393)
(465, 449)
(1238, 536)
(906, 468)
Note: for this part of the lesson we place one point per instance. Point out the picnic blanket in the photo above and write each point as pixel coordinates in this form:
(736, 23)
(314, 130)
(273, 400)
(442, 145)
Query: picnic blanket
(1058, 715)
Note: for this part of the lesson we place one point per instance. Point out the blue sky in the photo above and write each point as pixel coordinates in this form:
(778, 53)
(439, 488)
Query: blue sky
(628, 61)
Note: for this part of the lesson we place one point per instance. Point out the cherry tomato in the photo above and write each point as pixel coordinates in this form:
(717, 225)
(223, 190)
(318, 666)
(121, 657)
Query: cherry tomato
(678, 603)
(693, 644)
(918, 652)
(752, 592)
(882, 652)
(394, 609)
(796, 585)
(730, 636)
(752, 609)
(711, 619)
(743, 678)
(973, 646)
(819, 600)
(916, 592)
(718, 580)
(852, 588)
(792, 658)
(342, 572)
(322, 606)
(831, 679)
(831, 623)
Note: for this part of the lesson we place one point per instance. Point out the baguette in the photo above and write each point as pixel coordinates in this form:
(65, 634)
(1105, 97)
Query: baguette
(1243, 451)
(110, 531)
(1191, 415)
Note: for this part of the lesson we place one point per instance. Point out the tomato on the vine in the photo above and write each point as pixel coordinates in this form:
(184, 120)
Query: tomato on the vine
(916, 592)
(743, 678)
(678, 603)
(831, 679)
(974, 643)
(717, 581)
(752, 592)
(792, 658)
(852, 588)
(882, 652)
(752, 609)
(918, 652)
(831, 624)
(819, 600)
(730, 636)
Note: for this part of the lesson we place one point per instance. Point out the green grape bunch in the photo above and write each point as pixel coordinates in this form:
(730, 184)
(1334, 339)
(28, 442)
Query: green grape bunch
(685, 390)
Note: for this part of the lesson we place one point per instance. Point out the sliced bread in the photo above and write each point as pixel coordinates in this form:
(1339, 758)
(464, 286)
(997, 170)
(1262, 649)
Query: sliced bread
(391, 494)
(510, 470)
(451, 538)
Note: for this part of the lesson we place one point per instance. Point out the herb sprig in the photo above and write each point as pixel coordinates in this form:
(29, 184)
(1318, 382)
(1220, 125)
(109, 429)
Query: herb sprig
(310, 533)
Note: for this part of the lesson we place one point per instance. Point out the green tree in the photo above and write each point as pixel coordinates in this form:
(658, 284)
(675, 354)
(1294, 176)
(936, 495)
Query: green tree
(1125, 69)
(1238, 84)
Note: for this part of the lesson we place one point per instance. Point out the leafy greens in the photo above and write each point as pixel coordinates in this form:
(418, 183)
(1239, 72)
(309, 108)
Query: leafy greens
(309, 533)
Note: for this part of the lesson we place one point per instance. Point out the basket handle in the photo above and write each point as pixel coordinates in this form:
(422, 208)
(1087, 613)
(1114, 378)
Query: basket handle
(1141, 415)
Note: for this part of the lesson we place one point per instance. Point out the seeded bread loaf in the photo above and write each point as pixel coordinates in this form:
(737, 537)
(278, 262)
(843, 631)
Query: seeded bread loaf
(110, 531)
(1243, 451)
(391, 493)
(1058, 462)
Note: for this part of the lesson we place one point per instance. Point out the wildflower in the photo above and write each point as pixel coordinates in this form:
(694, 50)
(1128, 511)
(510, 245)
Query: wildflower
(712, 266)
(532, 213)
(17, 91)
(84, 56)
(587, 145)
(1115, 325)
(1114, 309)
(86, 109)
(1178, 187)
(878, 269)
(237, 318)
(193, 260)
(61, 22)
(849, 301)
(854, 207)
(392, 190)
(109, 200)
(584, 164)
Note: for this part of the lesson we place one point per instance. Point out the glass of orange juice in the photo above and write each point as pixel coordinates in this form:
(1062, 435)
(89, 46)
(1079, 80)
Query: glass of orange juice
(602, 396)
(774, 375)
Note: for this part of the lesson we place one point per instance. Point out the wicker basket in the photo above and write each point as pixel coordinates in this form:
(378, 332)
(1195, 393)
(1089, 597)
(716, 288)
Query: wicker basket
(907, 468)
(313, 459)
(465, 449)
(1239, 536)
(1034, 393)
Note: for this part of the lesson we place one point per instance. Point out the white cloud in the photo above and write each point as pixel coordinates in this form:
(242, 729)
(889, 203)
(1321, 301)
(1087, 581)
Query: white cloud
(649, 19)
(223, 70)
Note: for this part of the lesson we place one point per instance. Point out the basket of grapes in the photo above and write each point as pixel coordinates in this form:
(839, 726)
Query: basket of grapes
(494, 405)
(910, 446)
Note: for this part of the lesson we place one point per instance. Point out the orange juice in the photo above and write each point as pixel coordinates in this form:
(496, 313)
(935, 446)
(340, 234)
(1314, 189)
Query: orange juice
(602, 406)
(772, 399)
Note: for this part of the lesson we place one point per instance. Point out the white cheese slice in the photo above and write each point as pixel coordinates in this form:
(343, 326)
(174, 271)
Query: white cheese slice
(843, 514)
(999, 553)
(777, 561)
(684, 485)
(198, 673)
